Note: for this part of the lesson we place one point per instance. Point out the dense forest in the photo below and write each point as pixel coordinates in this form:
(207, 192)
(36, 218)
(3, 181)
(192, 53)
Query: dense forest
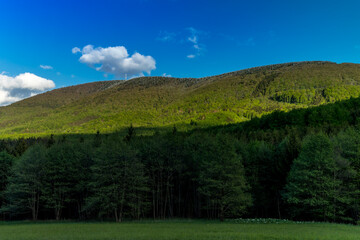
(301, 165)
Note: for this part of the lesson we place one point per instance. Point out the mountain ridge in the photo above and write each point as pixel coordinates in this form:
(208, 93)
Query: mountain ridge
(154, 102)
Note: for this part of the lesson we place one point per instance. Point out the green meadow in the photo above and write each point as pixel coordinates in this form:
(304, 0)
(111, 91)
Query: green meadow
(159, 230)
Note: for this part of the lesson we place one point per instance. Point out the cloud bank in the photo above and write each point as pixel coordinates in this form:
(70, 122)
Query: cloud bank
(22, 86)
(116, 60)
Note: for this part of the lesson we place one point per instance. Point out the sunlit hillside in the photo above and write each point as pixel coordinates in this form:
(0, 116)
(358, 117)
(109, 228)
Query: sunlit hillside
(152, 102)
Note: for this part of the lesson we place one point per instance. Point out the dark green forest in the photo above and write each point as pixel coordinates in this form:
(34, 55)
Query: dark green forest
(300, 165)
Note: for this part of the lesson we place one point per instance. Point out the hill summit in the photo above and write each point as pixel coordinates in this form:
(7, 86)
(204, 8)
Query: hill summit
(154, 102)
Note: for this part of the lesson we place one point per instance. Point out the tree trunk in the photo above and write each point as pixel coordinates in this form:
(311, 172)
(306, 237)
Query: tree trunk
(116, 215)
(154, 206)
(57, 213)
(34, 205)
(221, 214)
(278, 204)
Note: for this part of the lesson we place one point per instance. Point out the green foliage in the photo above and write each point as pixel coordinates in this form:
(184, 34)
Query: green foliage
(26, 183)
(6, 162)
(347, 155)
(312, 182)
(61, 169)
(221, 176)
(118, 181)
(130, 134)
(167, 170)
(158, 102)
(259, 165)
(303, 164)
(97, 140)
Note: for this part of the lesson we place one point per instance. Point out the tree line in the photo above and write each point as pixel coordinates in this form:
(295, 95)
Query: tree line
(280, 166)
(120, 177)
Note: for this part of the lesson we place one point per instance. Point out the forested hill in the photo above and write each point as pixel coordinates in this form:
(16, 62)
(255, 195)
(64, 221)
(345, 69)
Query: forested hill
(301, 165)
(153, 102)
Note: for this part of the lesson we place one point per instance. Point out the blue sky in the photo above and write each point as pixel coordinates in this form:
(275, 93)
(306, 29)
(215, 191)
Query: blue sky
(173, 37)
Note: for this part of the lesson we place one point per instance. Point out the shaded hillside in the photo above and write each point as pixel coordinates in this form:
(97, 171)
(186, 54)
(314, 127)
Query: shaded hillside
(153, 102)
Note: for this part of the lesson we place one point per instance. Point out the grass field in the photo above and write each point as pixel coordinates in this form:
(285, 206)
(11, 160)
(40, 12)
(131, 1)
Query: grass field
(197, 230)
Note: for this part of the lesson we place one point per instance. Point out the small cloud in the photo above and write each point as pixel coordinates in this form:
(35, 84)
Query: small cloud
(58, 73)
(117, 61)
(47, 67)
(22, 86)
(188, 35)
(72, 76)
(75, 50)
(165, 36)
(194, 39)
(166, 75)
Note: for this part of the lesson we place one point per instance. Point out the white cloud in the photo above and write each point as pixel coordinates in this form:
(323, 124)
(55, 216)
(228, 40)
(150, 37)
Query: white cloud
(116, 60)
(194, 40)
(187, 36)
(75, 50)
(165, 36)
(22, 86)
(166, 75)
(47, 67)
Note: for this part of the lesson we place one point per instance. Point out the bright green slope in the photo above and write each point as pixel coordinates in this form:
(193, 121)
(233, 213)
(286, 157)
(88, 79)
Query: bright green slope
(180, 230)
(153, 102)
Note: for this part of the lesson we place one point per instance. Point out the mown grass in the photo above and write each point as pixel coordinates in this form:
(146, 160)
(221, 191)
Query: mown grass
(197, 230)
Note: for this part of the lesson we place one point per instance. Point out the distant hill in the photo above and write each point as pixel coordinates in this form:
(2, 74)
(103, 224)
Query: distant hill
(154, 102)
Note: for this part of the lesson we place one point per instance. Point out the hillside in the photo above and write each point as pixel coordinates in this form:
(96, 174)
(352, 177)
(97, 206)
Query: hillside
(152, 102)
